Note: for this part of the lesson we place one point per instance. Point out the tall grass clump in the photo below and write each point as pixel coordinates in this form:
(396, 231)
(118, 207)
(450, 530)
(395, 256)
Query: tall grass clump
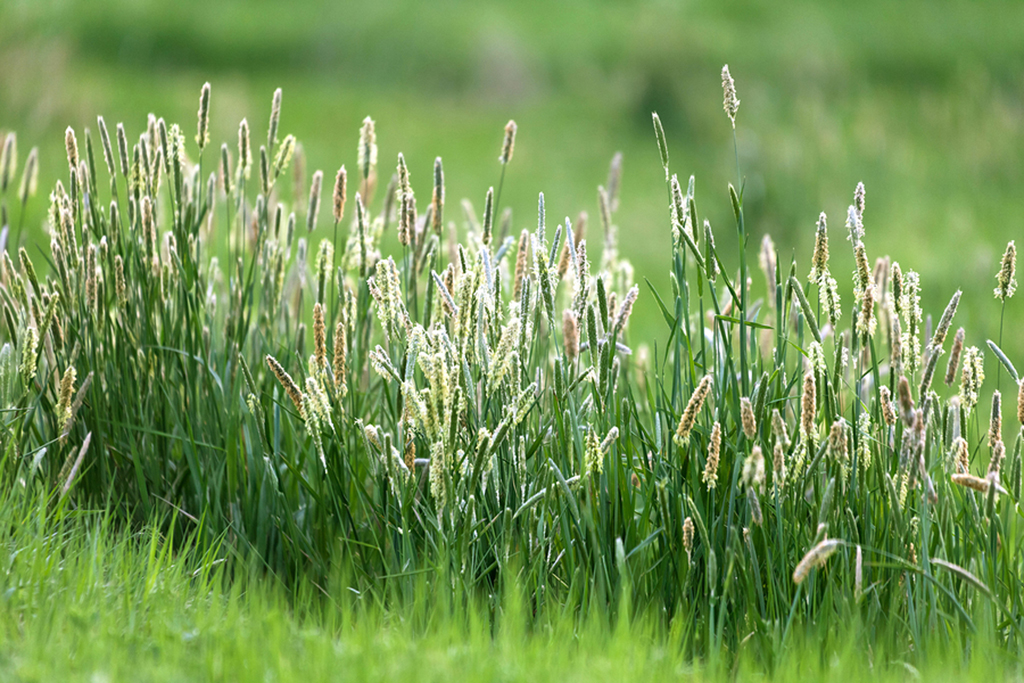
(462, 410)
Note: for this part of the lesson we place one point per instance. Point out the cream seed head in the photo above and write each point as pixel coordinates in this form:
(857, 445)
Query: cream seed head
(275, 119)
(314, 200)
(808, 406)
(1020, 402)
(731, 102)
(819, 261)
(203, 128)
(688, 537)
(1006, 278)
(995, 425)
(509, 143)
(747, 418)
(888, 410)
(244, 150)
(954, 356)
(815, 557)
(290, 387)
(8, 160)
(71, 144)
(570, 335)
(710, 476)
(437, 198)
(689, 416)
(971, 377)
(340, 182)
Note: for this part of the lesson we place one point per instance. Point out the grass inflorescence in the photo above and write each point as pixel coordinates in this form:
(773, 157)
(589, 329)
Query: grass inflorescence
(484, 428)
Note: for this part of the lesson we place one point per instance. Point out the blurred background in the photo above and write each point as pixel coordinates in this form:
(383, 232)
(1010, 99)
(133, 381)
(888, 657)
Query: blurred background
(922, 100)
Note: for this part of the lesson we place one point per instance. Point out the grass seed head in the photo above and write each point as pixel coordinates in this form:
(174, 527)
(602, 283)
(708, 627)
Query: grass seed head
(339, 194)
(688, 537)
(1006, 278)
(570, 334)
(689, 416)
(995, 425)
(815, 557)
(1020, 402)
(971, 377)
(954, 356)
(71, 145)
(731, 102)
(314, 201)
(437, 198)
(244, 150)
(710, 476)
(888, 411)
(203, 130)
(290, 387)
(275, 118)
(747, 418)
(509, 143)
(8, 160)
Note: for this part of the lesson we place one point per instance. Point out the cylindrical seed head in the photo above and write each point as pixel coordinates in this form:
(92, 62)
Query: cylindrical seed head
(203, 131)
(508, 144)
(340, 182)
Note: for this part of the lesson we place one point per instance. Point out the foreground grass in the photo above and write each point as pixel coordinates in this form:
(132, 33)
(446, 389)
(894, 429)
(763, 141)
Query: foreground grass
(83, 601)
(478, 423)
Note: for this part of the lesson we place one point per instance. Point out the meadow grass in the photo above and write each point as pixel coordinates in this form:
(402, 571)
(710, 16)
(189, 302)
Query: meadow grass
(223, 347)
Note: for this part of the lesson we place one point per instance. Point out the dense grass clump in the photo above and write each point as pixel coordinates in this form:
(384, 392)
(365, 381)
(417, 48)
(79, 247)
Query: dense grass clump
(462, 413)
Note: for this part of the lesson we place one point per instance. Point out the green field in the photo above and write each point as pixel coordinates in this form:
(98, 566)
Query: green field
(252, 432)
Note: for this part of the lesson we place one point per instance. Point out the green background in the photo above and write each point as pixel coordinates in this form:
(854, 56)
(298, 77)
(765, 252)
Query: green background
(922, 101)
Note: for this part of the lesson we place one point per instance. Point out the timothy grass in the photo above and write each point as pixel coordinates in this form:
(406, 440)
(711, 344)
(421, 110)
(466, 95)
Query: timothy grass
(349, 403)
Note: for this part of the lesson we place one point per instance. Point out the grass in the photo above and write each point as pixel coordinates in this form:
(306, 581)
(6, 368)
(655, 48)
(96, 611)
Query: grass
(469, 416)
(86, 602)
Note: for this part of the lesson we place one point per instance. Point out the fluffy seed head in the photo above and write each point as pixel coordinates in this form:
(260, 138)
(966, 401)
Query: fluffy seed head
(815, 557)
(954, 356)
(314, 200)
(521, 264)
(319, 337)
(290, 387)
(998, 454)
(747, 418)
(779, 464)
(961, 455)
(437, 198)
(753, 469)
(888, 410)
(995, 425)
(8, 160)
(1020, 402)
(244, 150)
(688, 537)
(710, 476)
(819, 261)
(72, 147)
(275, 118)
(340, 181)
(1007, 282)
(67, 386)
(570, 334)
(509, 143)
(731, 103)
(203, 130)
(971, 377)
(689, 416)
(627, 307)
(367, 148)
(808, 406)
